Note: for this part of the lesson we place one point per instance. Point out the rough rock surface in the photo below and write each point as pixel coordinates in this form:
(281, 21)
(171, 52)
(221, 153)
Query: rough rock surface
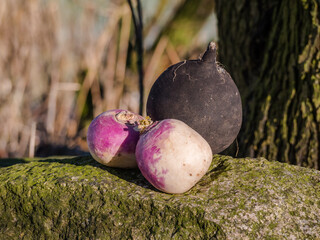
(77, 198)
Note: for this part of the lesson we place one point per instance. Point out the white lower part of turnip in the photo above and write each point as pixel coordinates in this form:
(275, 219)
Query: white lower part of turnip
(172, 156)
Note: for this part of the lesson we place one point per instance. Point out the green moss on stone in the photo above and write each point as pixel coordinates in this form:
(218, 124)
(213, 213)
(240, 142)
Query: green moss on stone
(77, 198)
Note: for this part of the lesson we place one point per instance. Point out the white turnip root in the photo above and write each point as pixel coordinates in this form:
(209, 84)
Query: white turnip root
(172, 156)
(112, 137)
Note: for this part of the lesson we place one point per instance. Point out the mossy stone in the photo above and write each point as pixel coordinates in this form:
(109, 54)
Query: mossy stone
(77, 198)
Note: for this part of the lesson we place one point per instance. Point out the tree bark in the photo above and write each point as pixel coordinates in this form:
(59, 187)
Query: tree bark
(271, 49)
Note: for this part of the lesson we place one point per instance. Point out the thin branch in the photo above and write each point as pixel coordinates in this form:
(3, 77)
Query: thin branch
(140, 14)
(138, 26)
(134, 18)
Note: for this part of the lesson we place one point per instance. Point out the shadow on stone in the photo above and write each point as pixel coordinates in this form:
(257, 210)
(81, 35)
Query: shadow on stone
(129, 175)
(49, 149)
(7, 162)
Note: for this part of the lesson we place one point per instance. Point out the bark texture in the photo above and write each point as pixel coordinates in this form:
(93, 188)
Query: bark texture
(77, 198)
(271, 49)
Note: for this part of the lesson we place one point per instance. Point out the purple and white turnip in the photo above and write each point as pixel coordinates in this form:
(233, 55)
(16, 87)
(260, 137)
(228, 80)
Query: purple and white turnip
(172, 156)
(112, 137)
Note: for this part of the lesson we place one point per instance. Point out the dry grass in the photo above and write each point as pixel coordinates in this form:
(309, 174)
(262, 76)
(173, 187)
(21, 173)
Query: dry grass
(50, 60)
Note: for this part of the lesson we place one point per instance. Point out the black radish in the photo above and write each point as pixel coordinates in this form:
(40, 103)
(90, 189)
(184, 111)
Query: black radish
(203, 95)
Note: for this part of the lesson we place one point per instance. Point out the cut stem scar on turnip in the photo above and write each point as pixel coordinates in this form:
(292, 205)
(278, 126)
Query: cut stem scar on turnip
(112, 138)
(172, 156)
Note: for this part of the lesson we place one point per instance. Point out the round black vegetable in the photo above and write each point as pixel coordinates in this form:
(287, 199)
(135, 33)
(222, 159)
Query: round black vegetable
(203, 95)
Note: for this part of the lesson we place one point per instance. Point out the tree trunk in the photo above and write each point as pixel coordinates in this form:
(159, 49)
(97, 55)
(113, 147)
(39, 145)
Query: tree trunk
(271, 49)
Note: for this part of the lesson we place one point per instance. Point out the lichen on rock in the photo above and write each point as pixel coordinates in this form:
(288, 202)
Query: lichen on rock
(77, 198)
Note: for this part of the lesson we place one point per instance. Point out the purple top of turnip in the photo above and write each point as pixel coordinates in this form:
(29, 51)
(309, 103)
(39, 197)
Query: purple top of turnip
(114, 134)
(151, 152)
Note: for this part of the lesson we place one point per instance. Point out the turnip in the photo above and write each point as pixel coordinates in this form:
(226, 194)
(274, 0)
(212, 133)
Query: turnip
(112, 138)
(203, 95)
(172, 156)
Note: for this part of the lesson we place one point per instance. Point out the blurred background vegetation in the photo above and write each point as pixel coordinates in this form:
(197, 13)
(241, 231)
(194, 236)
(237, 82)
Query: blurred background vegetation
(62, 62)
